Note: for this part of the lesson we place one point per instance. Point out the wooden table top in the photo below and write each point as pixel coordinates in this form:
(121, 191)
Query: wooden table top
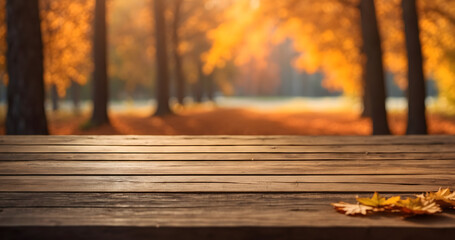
(216, 187)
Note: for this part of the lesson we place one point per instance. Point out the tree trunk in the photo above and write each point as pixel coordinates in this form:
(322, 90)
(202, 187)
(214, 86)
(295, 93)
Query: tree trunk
(198, 86)
(210, 87)
(1, 88)
(162, 86)
(375, 80)
(76, 97)
(100, 80)
(417, 123)
(179, 76)
(366, 111)
(26, 114)
(54, 98)
(197, 92)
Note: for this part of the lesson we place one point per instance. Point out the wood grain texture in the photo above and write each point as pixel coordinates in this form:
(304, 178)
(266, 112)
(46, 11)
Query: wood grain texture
(223, 156)
(198, 210)
(229, 149)
(318, 183)
(339, 167)
(308, 216)
(169, 200)
(274, 186)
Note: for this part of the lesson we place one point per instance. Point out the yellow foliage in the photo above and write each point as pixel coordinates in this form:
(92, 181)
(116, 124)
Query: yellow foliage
(245, 35)
(196, 20)
(378, 202)
(437, 26)
(66, 27)
(327, 34)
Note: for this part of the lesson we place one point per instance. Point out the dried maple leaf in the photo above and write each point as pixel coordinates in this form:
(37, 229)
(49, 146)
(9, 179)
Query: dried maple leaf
(418, 206)
(379, 202)
(352, 209)
(444, 197)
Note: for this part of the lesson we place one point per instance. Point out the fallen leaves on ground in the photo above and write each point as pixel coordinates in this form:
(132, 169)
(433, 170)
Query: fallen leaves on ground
(235, 121)
(425, 204)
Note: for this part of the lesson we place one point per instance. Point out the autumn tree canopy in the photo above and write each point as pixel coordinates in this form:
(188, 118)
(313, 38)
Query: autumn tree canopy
(240, 36)
(327, 35)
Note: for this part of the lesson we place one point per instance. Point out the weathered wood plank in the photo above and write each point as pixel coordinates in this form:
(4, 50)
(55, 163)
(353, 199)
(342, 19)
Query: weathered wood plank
(342, 167)
(225, 140)
(196, 182)
(222, 156)
(316, 215)
(175, 200)
(319, 183)
(125, 213)
(229, 149)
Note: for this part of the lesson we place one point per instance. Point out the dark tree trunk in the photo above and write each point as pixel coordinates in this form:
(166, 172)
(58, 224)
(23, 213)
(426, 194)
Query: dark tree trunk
(366, 111)
(76, 97)
(417, 123)
(210, 87)
(1, 89)
(162, 86)
(179, 76)
(197, 92)
(375, 81)
(26, 114)
(198, 86)
(54, 98)
(100, 80)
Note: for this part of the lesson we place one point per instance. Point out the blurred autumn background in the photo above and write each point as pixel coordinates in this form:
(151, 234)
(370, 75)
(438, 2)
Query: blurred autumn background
(304, 67)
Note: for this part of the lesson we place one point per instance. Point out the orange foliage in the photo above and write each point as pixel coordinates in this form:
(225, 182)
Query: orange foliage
(243, 37)
(437, 24)
(196, 19)
(327, 34)
(316, 28)
(66, 27)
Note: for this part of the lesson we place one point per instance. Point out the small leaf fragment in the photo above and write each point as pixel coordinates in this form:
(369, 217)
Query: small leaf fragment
(352, 209)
